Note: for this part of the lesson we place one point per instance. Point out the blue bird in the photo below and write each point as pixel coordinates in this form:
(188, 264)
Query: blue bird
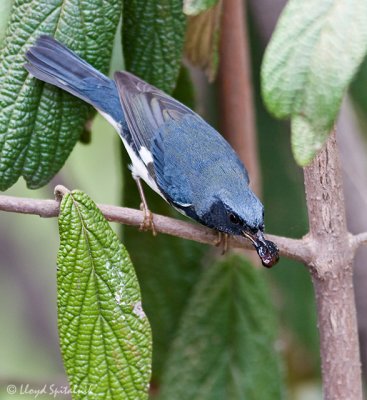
(172, 148)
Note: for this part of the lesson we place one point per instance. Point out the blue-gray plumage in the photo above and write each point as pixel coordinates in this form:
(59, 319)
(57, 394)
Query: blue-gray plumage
(202, 186)
(172, 149)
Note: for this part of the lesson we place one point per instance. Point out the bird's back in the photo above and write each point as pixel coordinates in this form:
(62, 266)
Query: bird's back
(193, 162)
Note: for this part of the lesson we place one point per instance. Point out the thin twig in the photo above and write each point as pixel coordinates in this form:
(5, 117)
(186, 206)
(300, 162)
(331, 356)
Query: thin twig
(358, 240)
(297, 249)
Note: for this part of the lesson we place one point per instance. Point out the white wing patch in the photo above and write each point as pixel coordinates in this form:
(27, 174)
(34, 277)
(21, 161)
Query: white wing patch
(138, 168)
(145, 155)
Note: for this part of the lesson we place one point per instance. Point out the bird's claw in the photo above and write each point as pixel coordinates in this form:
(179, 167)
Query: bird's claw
(222, 240)
(147, 223)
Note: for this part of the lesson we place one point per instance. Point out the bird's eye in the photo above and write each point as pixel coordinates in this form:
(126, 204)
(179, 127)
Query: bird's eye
(234, 219)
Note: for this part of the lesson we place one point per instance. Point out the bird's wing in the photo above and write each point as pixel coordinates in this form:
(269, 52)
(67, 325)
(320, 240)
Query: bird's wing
(172, 166)
(189, 158)
(192, 162)
(146, 108)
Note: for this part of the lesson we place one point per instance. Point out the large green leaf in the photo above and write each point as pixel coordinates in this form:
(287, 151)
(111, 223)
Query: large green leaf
(39, 124)
(313, 55)
(225, 346)
(105, 336)
(153, 36)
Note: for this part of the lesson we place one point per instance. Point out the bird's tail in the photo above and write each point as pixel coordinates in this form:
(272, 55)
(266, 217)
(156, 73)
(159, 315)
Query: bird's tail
(52, 62)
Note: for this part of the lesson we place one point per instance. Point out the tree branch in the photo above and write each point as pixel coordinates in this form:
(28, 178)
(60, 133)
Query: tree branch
(297, 249)
(332, 276)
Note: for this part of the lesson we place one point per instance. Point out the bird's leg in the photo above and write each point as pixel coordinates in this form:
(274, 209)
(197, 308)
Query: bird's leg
(222, 240)
(147, 223)
(225, 243)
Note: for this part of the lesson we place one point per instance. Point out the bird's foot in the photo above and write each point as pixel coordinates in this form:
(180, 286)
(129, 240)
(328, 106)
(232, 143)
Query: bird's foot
(147, 223)
(222, 240)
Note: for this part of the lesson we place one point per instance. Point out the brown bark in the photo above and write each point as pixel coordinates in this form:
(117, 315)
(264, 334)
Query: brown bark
(332, 276)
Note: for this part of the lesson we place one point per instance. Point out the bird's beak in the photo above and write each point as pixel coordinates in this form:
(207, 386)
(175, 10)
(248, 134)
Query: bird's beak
(267, 250)
(256, 238)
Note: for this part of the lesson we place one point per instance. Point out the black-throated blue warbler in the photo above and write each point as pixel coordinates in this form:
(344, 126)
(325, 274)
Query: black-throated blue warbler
(172, 148)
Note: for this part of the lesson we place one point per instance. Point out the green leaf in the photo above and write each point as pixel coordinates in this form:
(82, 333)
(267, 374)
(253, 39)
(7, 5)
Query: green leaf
(39, 124)
(153, 37)
(195, 7)
(225, 346)
(104, 334)
(5, 8)
(313, 55)
(306, 139)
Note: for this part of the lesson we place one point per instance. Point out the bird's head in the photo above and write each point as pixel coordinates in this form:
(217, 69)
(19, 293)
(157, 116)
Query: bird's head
(242, 216)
